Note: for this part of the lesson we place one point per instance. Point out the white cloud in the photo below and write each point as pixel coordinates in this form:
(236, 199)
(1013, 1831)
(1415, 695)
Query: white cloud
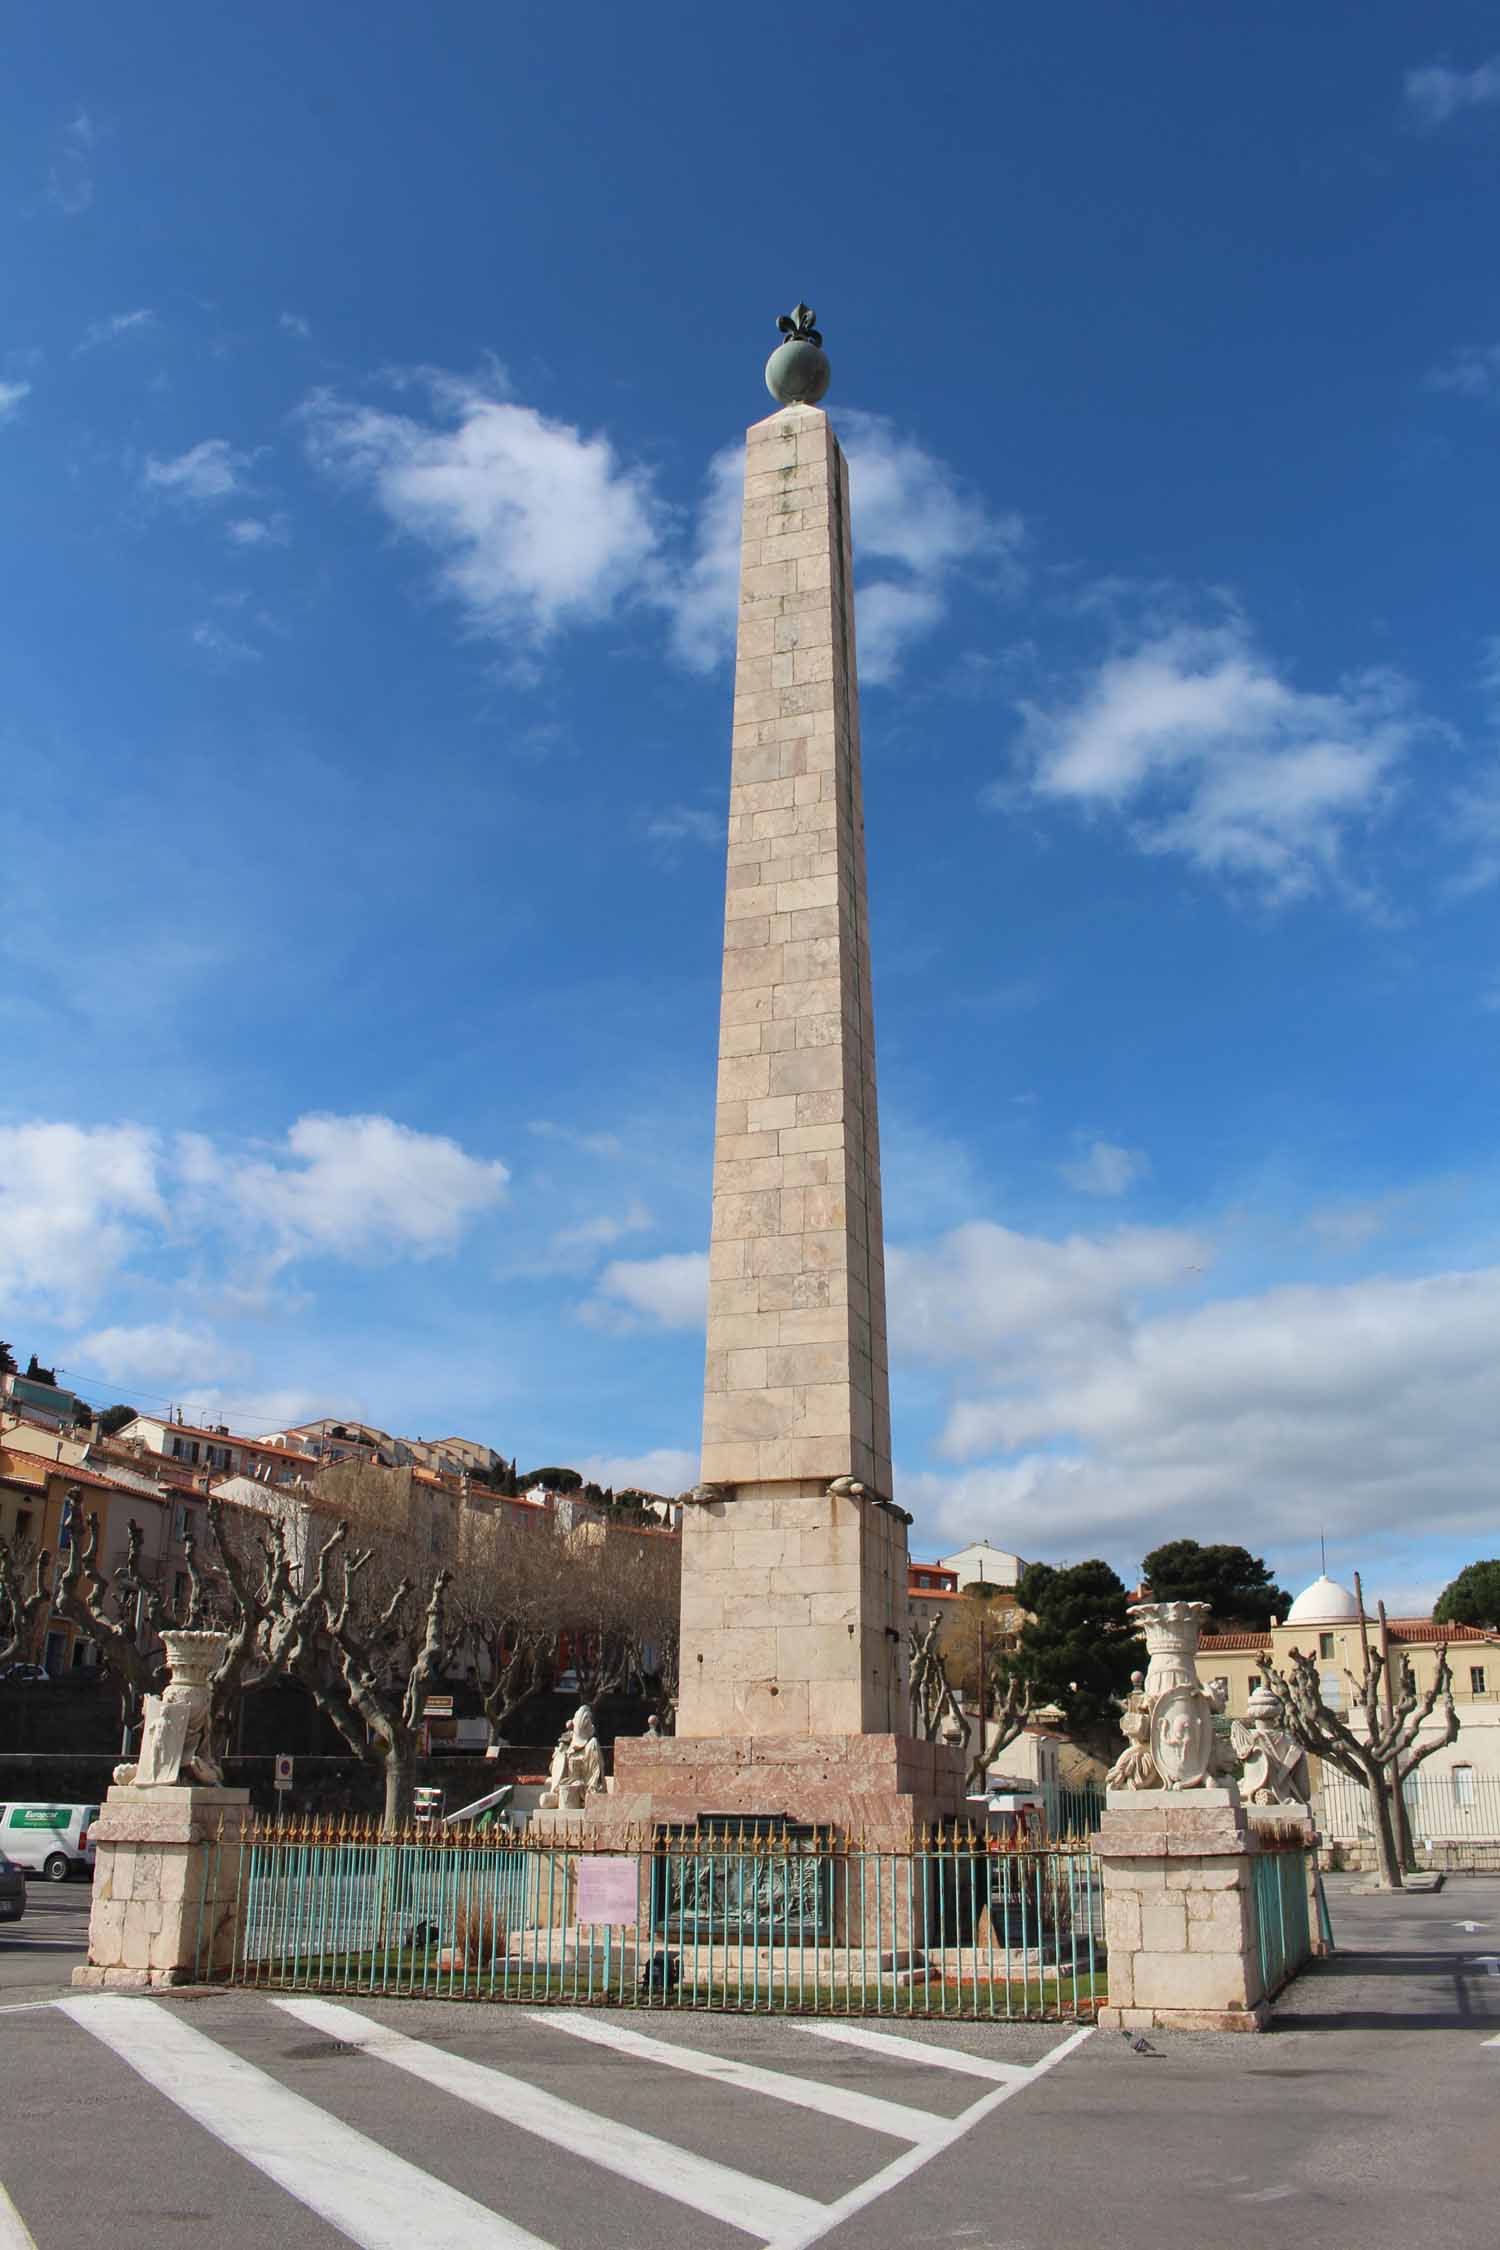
(1106, 1169)
(1437, 92)
(257, 531)
(915, 525)
(534, 523)
(984, 1289)
(74, 1201)
(294, 325)
(1209, 753)
(685, 824)
(668, 1292)
(155, 1355)
(12, 396)
(1473, 371)
(224, 647)
(1089, 1419)
(668, 1469)
(118, 324)
(208, 471)
(70, 182)
(598, 1234)
(592, 1144)
(348, 1187)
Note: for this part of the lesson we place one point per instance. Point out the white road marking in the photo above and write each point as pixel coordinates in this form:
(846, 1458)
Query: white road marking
(736, 2199)
(895, 2118)
(378, 2200)
(15, 2234)
(918, 2051)
(1471, 1927)
(903, 2167)
(1495, 2042)
(25, 2007)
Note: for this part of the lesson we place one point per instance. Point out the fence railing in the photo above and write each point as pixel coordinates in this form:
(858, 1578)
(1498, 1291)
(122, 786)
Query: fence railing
(1280, 1883)
(953, 1927)
(1441, 1808)
(1075, 1810)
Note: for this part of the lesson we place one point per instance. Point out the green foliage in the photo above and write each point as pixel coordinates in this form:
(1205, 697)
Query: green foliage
(1077, 1648)
(8, 1361)
(36, 1373)
(1473, 1598)
(555, 1480)
(115, 1418)
(1236, 1584)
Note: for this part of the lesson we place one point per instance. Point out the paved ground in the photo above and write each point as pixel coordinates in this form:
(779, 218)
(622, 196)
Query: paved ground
(38, 1954)
(1368, 2116)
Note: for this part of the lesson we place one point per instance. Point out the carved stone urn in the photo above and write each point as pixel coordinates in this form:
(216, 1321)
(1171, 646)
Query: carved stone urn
(175, 1736)
(1171, 1630)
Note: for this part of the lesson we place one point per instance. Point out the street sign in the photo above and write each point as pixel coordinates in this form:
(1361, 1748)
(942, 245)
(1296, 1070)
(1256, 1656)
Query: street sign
(281, 1777)
(438, 1707)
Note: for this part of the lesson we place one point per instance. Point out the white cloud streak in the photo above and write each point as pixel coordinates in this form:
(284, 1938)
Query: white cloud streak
(534, 523)
(666, 1292)
(1106, 1169)
(74, 1203)
(1210, 754)
(208, 471)
(12, 398)
(117, 325)
(1436, 92)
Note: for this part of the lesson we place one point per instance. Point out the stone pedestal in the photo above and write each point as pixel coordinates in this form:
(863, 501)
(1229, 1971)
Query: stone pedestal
(166, 1886)
(875, 1790)
(1179, 1912)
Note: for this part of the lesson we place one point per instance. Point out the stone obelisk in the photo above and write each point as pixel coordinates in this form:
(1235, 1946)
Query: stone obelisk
(793, 1691)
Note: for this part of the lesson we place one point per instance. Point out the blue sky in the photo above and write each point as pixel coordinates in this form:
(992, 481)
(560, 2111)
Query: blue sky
(370, 391)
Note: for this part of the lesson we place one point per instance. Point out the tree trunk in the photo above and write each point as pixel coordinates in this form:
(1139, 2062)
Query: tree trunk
(400, 1784)
(1385, 1834)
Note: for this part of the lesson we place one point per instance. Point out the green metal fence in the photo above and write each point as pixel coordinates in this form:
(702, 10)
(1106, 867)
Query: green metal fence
(1280, 1882)
(1075, 1811)
(733, 1921)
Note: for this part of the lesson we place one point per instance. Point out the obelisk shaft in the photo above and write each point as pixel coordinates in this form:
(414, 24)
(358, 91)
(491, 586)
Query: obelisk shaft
(797, 1385)
(794, 1602)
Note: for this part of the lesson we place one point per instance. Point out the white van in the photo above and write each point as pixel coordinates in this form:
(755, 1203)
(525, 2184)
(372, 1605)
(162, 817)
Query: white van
(50, 1840)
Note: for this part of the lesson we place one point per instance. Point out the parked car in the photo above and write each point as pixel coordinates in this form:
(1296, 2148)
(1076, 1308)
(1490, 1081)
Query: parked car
(12, 1890)
(50, 1840)
(31, 1675)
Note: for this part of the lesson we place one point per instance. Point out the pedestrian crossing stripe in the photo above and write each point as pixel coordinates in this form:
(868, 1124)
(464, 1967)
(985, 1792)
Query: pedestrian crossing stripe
(382, 2201)
(378, 2200)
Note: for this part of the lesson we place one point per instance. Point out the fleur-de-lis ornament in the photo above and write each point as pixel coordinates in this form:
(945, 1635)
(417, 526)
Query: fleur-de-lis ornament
(799, 327)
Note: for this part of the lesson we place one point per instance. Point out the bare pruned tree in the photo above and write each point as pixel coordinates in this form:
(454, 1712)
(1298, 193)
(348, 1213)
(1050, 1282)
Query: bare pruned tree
(503, 1612)
(1385, 1747)
(25, 1598)
(123, 1613)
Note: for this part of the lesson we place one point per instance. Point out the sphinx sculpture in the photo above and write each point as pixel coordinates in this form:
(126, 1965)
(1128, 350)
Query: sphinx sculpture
(577, 1770)
(1276, 1771)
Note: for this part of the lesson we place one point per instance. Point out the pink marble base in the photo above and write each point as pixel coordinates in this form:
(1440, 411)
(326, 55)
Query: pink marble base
(876, 1789)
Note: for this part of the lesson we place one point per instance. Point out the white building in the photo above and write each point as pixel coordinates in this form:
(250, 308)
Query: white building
(980, 1564)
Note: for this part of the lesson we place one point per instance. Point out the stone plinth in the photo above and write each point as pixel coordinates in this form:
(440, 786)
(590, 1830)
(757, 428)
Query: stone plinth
(793, 1616)
(1179, 1912)
(877, 1789)
(166, 1886)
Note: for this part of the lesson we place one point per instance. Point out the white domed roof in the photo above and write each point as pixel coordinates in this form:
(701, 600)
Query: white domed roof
(1324, 1603)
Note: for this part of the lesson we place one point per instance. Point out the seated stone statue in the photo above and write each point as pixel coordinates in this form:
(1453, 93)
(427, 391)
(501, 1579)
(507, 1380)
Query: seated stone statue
(1135, 1768)
(577, 1770)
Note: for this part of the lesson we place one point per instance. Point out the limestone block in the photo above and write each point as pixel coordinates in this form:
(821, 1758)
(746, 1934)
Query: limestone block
(1163, 1925)
(1213, 1981)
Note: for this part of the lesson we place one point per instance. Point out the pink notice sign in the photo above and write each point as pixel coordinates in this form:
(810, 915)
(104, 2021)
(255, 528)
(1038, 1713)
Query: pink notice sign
(606, 1889)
